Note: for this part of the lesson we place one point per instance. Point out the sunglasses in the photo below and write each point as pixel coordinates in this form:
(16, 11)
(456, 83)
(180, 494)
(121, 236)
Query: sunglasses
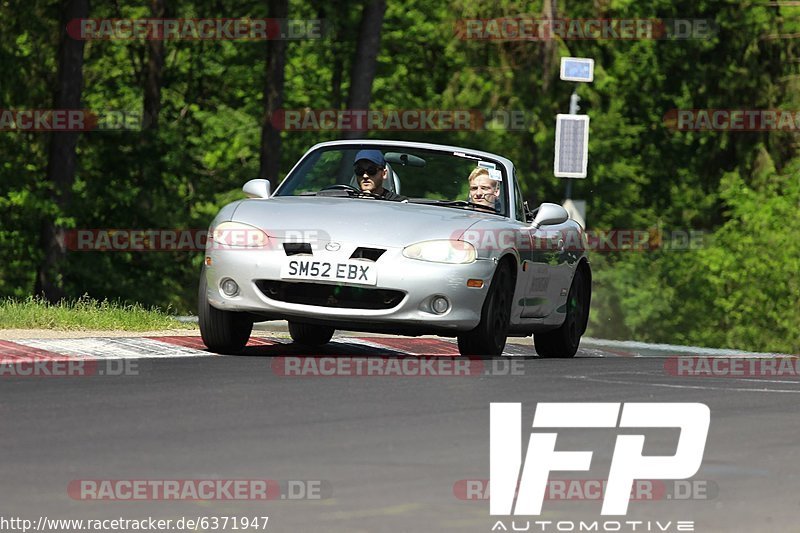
(370, 171)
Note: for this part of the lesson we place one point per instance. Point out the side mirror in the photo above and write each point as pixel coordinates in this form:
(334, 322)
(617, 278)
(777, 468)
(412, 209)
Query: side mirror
(550, 215)
(257, 189)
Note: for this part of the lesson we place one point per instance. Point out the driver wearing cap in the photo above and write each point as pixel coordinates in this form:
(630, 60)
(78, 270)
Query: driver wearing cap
(370, 170)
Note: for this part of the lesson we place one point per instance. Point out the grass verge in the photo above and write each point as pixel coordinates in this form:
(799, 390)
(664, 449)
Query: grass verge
(85, 314)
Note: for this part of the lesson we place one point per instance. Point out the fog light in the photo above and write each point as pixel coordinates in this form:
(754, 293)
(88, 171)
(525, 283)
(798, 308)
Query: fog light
(229, 287)
(440, 305)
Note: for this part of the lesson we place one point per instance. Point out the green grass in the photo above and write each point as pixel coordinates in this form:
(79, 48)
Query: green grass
(84, 314)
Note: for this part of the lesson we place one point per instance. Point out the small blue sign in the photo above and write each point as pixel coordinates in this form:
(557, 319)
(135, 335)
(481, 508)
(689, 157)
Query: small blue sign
(577, 69)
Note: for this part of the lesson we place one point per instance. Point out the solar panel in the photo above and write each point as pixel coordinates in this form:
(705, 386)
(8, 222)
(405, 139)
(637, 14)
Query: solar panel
(572, 146)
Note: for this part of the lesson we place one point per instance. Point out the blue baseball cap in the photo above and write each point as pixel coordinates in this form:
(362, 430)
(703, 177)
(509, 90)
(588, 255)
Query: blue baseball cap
(375, 156)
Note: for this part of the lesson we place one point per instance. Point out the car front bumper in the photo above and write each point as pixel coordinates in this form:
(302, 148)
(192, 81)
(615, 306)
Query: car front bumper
(418, 281)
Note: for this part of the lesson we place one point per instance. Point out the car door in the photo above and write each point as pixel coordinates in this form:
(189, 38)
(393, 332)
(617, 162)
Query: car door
(545, 283)
(557, 257)
(535, 275)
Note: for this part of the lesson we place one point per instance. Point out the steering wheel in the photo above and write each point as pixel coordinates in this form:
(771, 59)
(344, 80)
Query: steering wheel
(341, 187)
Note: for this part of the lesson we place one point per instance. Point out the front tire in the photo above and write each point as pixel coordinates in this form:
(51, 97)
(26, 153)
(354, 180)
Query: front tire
(223, 332)
(564, 341)
(489, 338)
(309, 334)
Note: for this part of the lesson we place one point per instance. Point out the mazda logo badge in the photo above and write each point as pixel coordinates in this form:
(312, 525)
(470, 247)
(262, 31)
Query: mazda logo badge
(333, 246)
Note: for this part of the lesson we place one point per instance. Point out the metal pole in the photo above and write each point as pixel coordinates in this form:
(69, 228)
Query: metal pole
(573, 102)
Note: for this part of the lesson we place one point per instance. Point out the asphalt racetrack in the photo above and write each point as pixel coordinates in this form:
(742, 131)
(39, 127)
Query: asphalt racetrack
(373, 453)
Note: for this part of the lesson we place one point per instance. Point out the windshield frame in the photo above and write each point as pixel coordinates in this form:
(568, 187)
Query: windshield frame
(313, 154)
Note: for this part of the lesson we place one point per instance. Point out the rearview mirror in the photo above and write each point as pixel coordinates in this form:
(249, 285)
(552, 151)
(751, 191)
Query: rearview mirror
(397, 158)
(257, 189)
(550, 215)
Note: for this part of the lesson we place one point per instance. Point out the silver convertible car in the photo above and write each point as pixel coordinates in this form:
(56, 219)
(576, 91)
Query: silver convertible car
(395, 237)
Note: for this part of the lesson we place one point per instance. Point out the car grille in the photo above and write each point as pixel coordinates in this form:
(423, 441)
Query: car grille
(330, 295)
(297, 248)
(304, 248)
(372, 254)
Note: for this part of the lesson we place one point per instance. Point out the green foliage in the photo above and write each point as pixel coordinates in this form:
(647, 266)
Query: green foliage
(739, 288)
(740, 189)
(85, 314)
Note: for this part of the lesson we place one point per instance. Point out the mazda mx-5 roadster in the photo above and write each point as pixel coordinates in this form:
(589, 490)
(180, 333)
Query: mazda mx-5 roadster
(396, 237)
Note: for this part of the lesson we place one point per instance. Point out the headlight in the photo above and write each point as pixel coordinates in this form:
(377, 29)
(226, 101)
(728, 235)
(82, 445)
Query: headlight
(456, 252)
(239, 235)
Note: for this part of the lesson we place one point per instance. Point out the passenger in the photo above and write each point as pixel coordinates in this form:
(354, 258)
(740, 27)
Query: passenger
(370, 170)
(483, 189)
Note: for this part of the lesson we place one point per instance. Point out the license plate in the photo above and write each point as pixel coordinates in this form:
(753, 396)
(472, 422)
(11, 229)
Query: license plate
(355, 272)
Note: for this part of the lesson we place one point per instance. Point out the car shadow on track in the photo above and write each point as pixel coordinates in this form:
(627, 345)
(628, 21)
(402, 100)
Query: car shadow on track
(384, 347)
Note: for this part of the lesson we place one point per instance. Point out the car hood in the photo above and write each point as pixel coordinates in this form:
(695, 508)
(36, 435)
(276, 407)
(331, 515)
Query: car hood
(366, 221)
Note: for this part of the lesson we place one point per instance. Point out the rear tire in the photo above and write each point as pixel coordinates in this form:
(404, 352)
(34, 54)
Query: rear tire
(309, 334)
(489, 338)
(564, 341)
(223, 332)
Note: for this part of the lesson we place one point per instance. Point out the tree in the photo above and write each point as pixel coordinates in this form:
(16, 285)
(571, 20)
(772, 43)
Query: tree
(62, 159)
(273, 98)
(366, 59)
(154, 72)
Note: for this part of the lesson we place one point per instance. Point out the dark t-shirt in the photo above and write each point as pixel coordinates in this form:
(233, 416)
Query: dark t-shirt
(389, 195)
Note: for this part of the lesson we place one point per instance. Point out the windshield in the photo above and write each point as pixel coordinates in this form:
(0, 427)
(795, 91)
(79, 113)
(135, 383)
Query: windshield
(445, 178)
